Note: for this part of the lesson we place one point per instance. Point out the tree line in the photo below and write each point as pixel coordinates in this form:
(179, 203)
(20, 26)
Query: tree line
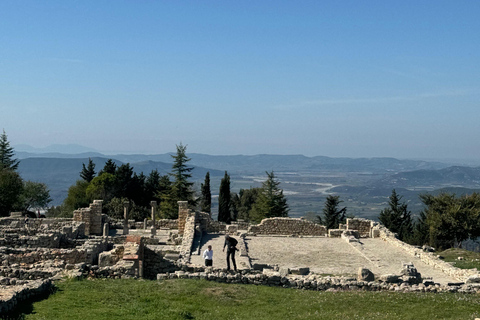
(446, 220)
(117, 184)
(17, 194)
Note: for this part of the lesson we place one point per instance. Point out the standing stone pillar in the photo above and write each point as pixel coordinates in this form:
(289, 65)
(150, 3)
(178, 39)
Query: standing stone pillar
(106, 229)
(182, 215)
(145, 224)
(125, 217)
(154, 227)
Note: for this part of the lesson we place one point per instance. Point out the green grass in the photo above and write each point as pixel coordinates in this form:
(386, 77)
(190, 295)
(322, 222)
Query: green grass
(471, 259)
(200, 299)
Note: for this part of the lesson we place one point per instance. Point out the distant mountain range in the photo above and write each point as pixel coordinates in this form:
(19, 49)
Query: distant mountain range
(362, 181)
(54, 148)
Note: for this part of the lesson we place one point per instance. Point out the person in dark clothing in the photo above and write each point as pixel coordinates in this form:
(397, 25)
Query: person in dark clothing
(231, 244)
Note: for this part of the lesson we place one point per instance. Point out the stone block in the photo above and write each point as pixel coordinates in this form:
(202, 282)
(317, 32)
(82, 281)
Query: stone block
(284, 271)
(300, 271)
(365, 274)
(473, 279)
(389, 278)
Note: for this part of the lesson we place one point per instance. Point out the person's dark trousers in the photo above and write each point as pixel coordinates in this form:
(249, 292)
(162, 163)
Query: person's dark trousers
(231, 253)
(208, 262)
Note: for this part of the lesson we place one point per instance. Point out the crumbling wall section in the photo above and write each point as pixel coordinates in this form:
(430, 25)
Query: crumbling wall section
(159, 260)
(92, 217)
(363, 226)
(287, 226)
(183, 212)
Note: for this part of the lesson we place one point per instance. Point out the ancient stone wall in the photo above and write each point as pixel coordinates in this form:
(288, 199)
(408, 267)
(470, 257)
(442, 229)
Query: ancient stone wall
(182, 215)
(287, 226)
(363, 226)
(207, 224)
(188, 236)
(429, 258)
(241, 224)
(335, 233)
(92, 217)
(171, 224)
(18, 293)
(157, 260)
(314, 282)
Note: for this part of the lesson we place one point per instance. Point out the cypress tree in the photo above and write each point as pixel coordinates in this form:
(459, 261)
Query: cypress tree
(206, 203)
(224, 199)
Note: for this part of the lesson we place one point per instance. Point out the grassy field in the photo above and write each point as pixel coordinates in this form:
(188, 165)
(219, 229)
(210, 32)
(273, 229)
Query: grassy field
(470, 259)
(200, 299)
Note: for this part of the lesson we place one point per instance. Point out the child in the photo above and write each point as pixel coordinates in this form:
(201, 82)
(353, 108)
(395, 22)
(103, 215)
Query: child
(208, 256)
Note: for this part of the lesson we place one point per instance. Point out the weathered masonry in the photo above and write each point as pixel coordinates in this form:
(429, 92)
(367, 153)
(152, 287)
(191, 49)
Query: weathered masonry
(36, 252)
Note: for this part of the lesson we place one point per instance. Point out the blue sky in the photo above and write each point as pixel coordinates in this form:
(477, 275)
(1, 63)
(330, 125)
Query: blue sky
(336, 78)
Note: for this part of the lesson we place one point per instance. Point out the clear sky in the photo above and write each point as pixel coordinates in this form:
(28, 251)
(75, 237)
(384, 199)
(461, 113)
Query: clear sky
(335, 78)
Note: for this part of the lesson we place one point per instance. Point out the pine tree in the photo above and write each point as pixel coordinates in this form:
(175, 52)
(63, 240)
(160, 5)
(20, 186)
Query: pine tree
(6, 154)
(224, 199)
(206, 203)
(270, 201)
(88, 173)
(182, 187)
(397, 218)
(333, 216)
(109, 167)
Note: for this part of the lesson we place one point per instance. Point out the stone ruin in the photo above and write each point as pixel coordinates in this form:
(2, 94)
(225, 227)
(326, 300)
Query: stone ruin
(36, 252)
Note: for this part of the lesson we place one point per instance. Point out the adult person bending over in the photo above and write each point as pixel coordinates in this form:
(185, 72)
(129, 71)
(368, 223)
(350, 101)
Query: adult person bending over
(231, 244)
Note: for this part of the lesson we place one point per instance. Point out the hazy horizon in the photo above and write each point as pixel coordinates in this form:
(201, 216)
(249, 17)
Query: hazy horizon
(79, 149)
(337, 79)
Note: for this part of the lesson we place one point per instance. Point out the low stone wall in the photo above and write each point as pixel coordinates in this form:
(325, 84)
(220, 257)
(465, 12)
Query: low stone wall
(39, 241)
(207, 224)
(171, 224)
(32, 256)
(427, 257)
(315, 282)
(287, 226)
(241, 225)
(157, 260)
(363, 226)
(13, 295)
(335, 233)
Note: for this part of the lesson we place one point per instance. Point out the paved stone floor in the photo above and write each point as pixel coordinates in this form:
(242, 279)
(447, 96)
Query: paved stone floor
(322, 255)
(219, 258)
(332, 256)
